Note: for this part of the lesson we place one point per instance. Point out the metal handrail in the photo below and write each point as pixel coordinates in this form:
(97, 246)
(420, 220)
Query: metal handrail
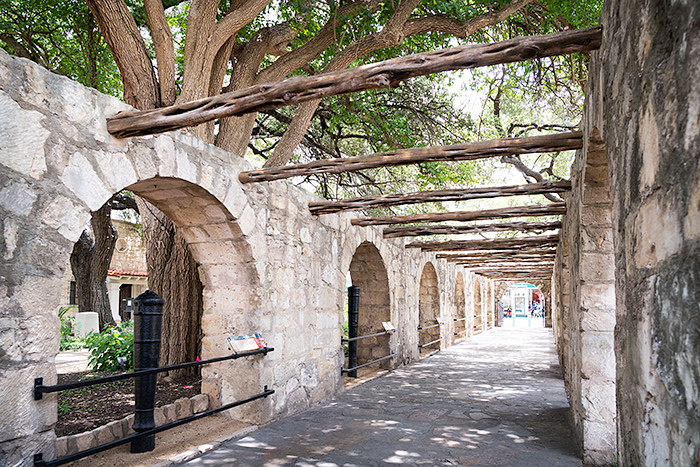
(420, 346)
(428, 327)
(40, 389)
(460, 319)
(353, 339)
(39, 462)
(347, 370)
(460, 332)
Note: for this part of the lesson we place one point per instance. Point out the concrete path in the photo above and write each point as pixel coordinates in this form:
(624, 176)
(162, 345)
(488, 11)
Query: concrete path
(496, 399)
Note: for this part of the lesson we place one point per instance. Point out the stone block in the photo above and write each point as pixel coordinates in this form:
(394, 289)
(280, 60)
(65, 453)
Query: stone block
(62, 447)
(22, 138)
(116, 428)
(597, 267)
(597, 296)
(657, 231)
(159, 416)
(598, 320)
(18, 198)
(183, 408)
(85, 440)
(200, 403)
(127, 423)
(81, 179)
(103, 435)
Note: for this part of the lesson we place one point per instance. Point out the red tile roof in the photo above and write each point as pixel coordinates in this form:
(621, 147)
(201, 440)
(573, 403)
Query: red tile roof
(120, 273)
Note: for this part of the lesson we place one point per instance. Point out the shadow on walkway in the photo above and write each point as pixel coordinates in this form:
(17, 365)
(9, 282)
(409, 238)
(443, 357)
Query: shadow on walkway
(496, 399)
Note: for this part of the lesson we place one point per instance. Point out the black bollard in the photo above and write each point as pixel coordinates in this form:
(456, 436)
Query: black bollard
(353, 317)
(148, 316)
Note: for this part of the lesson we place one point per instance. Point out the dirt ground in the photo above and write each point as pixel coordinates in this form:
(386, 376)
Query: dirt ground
(85, 409)
(170, 443)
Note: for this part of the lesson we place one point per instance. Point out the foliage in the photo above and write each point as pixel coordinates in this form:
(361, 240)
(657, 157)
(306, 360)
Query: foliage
(68, 339)
(61, 36)
(107, 347)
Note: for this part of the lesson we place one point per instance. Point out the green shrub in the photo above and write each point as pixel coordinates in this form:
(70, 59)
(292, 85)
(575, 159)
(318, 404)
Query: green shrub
(108, 346)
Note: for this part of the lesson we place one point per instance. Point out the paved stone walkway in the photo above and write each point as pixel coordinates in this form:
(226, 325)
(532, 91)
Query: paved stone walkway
(496, 399)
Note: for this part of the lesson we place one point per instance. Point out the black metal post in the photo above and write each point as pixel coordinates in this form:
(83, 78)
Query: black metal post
(353, 326)
(148, 317)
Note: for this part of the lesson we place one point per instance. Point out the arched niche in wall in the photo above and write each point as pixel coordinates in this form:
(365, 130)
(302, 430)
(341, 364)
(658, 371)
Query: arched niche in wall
(429, 310)
(460, 315)
(230, 282)
(478, 311)
(367, 271)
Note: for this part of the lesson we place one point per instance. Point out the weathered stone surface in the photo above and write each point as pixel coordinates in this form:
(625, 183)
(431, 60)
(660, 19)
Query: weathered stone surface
(650, 85)
(183, 408)
(200, 403)
(22, 138)
(268, 265)
(85, 440)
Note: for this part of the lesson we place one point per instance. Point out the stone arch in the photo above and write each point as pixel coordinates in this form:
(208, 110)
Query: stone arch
(230, 282)
(368, 272)
(478, 325)
(429, 309)
(489, 306)
(460, 315)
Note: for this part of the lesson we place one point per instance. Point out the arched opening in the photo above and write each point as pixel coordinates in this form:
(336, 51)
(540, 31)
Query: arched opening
(490, 306)
(477, 306)
(367, 272)
(429, 311)
(523, 305)
(460, 316)
(229, 283)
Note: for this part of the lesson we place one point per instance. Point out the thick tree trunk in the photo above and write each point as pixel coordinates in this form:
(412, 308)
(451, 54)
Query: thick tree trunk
(172, 274)
(90, 260)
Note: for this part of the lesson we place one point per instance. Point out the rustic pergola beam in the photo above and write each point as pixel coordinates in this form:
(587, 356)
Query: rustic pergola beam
(534, 210)
(496, 244)
(519, 277)
(505, 262)
(383, 74)
(417, 231)
(456, 152)
(461, 194)
(495, 257)
(535, 252)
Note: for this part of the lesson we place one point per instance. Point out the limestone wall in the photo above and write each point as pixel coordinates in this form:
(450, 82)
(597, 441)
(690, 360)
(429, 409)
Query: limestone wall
(266, 263)
(650, 87)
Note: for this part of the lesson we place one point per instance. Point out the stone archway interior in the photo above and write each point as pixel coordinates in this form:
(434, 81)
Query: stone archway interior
(367, 271)
(460, 308)
(429, 309)
(230, 282)
(477, 306)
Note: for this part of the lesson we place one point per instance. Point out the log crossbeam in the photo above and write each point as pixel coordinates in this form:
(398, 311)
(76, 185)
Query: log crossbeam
(383, 74)
(496, 244)
(368, 202)
(534, 210)
(418, 231)
(457, 152)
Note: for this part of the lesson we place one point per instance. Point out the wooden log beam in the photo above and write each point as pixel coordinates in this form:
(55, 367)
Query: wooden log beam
(496, 244)
(383, 74)
(417, 231)
(465, 259)
(456, 152)
(505, 262)
(518, 277)
(461, 194)
(534, 210)
(534, 252)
